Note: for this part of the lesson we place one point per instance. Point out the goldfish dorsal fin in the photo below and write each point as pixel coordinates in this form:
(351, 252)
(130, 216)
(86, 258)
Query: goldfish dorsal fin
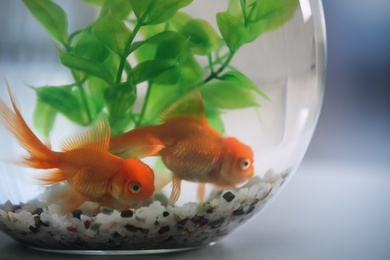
(189, 105)
(96, 137)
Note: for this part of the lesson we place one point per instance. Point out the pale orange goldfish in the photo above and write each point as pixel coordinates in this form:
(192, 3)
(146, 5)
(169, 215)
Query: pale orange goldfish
(190, 148)
(91, 172)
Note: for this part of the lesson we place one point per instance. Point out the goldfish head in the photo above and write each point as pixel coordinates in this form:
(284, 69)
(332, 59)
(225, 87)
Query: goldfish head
(135, 181)
(237, 165)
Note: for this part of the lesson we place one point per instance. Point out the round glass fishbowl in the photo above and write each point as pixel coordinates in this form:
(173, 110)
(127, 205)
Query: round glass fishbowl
(151, 126)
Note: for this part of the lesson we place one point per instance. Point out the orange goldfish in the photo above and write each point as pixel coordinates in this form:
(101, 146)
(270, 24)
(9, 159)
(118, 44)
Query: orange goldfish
(190, 148)
(91, 172)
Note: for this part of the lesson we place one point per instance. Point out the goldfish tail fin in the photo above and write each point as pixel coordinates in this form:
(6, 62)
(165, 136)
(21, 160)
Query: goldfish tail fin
(51, 178)
(135, 144)
(141, 151)
(176, 189)
(40, 154)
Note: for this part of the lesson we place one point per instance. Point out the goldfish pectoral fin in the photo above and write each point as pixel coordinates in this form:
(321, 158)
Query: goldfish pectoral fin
(71, 205)
(107, 201)
(189, 105)
(51, 177)
(201, 191)
(68, 206)
(66, 198)
(176, 189)
(161, 179)
(96, 136)
(119, 205)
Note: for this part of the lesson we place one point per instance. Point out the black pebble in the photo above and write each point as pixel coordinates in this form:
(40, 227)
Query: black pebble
(164, 229)
(87, 224)
(38, 211)
(250, 210)
(183, 221)
(34, 229)
(77, 213)
(238, 212)
(228, 196)
(132, 228)
(107, 211)
(199, 220)
(216, 223)
(127, 213)
(210, 210)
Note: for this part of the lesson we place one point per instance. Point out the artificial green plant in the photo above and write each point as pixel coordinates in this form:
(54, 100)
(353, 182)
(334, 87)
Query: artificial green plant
(151, 44)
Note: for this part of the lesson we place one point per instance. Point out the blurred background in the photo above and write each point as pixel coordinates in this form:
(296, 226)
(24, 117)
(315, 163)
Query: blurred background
(355, 120)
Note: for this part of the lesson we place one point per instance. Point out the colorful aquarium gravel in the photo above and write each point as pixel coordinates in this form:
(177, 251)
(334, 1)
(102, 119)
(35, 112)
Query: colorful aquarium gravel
(148, 227)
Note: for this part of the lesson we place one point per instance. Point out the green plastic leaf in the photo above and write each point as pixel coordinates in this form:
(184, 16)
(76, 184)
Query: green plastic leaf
(117, 8)
(160, 97)
(175, 48)
(168, 45)
(95, 88)
(165, 36)
(202, 36)
(119, 99)
(256, 17)
(172, 46)
(268, 15)
(44, 118)
(179, 20)
(51, 16)
(191, 72)
(214, 119)
(113, 33)
(87, 46)
(95, 2)
(242, 80)
(149, 70)
(156, 11)
(88, 66)
(232, 29)
(228, 95)
(63, 101)
(121, 124)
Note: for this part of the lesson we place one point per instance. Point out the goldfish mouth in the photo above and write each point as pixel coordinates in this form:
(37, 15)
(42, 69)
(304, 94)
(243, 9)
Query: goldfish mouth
(241, 178)
(246, 176)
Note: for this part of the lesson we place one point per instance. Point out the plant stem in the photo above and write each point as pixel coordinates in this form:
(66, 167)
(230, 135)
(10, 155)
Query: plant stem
(127, 50)
(129, 42)
(243, 7)
(144, 105)
(78, 82)
(84, 102)
(223, 66)
(124, 57)
(210, 60)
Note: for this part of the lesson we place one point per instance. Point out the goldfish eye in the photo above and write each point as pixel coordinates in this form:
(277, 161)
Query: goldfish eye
(245, 164)
(134, 187)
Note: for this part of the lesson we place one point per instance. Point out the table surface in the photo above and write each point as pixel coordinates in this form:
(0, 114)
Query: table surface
(328, 210)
